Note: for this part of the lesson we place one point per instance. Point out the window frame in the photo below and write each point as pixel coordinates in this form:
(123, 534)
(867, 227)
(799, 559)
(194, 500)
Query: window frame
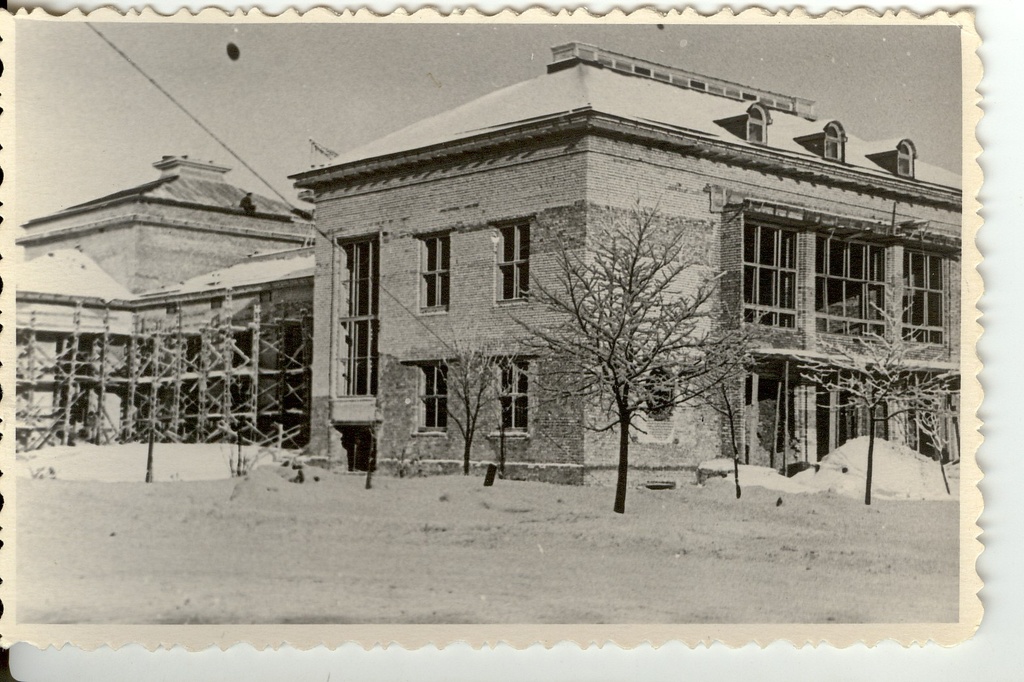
(361, 320)
(934, 334)
(518, 267)
(836, 136)
(514, 405)
(872, 279)
(754, 311)
(437, 279)
(906, 153)
(429, 375)
(760, 123)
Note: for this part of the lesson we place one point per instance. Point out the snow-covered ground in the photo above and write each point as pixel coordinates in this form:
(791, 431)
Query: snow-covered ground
(898, 473)
(261, 549)
(127, 461)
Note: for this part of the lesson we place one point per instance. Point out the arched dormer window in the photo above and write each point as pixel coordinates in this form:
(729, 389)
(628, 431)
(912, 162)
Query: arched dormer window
(899, 161)
(757, 124)
(906, 154)
(835, 142)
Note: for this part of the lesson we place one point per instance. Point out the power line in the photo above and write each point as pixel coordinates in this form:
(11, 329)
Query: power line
(188, 113)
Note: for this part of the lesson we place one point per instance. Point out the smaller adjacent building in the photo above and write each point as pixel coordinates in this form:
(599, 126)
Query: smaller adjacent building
(180, 308)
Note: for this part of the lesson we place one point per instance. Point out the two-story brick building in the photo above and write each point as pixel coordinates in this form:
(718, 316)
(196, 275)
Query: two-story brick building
(434, 232)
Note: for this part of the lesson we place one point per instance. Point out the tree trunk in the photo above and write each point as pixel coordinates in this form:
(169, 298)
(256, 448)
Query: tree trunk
(732, 441)
(620, 486)
(871, 454)
(467, 445)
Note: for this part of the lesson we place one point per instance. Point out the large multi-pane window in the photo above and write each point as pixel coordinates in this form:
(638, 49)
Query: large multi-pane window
(769, 275)
(435, 275)
(359, 323)
(514, 262)
(515, 401)
(923, 297)
(434, 397)
(849, 287)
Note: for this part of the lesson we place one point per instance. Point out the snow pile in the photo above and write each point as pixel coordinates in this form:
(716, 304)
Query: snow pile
(898, 473)
(127, 462)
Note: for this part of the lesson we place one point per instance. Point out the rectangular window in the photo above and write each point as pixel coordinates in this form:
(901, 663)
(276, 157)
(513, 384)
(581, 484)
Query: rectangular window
(515, 405)
(769, 276)
(849, 296)
(434, 265)
(359, 324)
(514, 262)
(924, 297)
(434, 397)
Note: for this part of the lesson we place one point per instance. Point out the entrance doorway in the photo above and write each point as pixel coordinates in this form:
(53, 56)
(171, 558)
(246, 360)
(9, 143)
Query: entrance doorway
(359, 443)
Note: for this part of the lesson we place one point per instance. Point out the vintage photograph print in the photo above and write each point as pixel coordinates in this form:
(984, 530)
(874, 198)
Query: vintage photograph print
(333, 328)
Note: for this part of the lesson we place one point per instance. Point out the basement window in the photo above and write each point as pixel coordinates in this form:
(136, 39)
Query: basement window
(769, 275)
(849, 294)
(924, 297)
(434, 397)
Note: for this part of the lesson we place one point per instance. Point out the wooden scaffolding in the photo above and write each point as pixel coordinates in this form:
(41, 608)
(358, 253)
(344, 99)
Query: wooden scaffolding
(223, 380)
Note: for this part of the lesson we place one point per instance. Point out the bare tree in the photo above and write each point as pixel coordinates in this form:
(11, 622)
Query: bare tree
(632, 329)
(878, 373)
(472, 373)
(932, 422)
(719, 399)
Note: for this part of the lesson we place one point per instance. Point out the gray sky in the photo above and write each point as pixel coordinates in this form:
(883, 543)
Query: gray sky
(88, 124)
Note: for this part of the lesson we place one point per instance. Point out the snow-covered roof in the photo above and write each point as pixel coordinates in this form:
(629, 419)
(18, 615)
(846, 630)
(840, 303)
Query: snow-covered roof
(586, 86)
(69, 272)
(260, 269)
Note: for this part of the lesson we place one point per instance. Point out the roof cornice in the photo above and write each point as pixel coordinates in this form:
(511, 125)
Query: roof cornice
(586, 121)
(135, 199)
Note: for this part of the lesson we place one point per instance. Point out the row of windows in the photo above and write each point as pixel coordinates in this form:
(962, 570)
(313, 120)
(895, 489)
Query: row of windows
(513, 267)
(849, 285)
(830, 143)
(513, 398)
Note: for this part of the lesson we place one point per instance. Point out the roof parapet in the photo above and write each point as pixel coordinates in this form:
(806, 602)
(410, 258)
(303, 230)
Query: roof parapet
(563, 56)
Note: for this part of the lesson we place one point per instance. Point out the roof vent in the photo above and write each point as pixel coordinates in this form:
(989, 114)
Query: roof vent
(184, 167)
(570, 54)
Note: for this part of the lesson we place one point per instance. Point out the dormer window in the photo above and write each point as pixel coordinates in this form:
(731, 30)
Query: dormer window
(829, 144)
(905, 154)
(835, 142)
(899, 161)
(757, 124)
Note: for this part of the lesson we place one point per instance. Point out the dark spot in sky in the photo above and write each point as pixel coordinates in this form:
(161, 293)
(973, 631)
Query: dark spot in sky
(233, 51)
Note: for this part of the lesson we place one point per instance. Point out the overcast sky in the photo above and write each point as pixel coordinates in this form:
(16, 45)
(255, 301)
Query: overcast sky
(89, 125)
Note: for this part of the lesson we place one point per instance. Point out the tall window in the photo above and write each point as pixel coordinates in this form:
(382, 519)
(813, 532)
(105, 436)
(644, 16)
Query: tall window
(769, 275)
(514, 262)
(923, 297)
(905, 154)
(515, 402)
(434, 266)
(360, 322)
(849, 287)
(434, 397)
(835, 142)
(757, 124)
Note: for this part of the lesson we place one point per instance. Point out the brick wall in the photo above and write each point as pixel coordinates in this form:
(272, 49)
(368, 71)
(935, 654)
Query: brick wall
(587, 181)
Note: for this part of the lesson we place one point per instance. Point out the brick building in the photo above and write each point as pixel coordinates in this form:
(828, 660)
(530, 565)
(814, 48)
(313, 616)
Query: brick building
(181, 307)
(432, 234)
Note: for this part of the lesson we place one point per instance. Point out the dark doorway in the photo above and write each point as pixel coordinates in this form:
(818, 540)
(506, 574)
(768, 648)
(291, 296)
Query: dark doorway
(358, 443)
